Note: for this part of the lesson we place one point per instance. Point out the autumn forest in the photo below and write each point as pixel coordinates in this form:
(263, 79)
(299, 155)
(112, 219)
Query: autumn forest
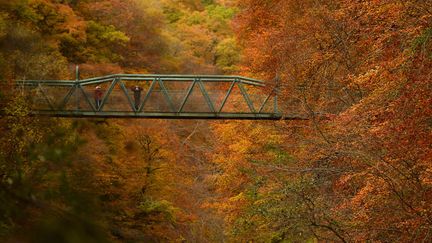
(358, 168)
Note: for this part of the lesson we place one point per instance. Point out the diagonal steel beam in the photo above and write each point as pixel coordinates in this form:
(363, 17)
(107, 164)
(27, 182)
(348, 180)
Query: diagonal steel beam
(227, 96)
(107, 94)
(93, 107)
(189, 92)
(264, 103)
(246, 97)
(123, 87)
(44, 94)
(206, 96)
(77, 98)
(67, 97)
(275, 105)
(166, 94)
(149, 92)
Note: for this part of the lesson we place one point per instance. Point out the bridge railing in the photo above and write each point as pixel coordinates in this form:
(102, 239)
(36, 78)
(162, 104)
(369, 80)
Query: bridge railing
(170, 96)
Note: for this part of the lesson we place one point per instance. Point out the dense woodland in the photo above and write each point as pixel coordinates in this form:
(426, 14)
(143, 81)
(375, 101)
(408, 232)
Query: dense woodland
(359, 170)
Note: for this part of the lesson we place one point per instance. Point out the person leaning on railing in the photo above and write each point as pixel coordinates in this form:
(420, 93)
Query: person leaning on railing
(137, 95)
(98, 96)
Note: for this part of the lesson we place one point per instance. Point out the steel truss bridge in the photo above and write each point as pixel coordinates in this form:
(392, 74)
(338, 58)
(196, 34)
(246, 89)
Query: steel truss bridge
(161, 96)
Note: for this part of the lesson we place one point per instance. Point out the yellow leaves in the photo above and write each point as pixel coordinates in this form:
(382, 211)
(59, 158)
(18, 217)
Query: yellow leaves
(360, 197)
(3, 24)
(237, 145)
(21, 128)
(426, 176)
(242, 146)
(237, 198)
(365, 78)
(261, 202)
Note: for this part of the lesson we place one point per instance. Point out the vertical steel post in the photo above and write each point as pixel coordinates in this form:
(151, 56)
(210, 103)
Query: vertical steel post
(77, 78)
(276, 110)
(77, 73)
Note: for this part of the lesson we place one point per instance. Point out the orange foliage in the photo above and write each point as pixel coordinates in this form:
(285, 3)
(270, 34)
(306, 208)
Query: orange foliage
(366, 63)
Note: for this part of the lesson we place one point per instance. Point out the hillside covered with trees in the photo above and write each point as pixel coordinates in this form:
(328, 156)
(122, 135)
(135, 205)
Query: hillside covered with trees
(358, 170)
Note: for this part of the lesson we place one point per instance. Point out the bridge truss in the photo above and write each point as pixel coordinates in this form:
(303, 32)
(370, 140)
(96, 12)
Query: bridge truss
(160, 96)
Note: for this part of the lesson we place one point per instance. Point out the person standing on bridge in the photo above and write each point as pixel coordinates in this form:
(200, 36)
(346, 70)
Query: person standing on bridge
(98, 97)
(137, 95)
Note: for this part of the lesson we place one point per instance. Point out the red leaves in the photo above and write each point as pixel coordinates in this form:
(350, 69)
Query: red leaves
(368, 63)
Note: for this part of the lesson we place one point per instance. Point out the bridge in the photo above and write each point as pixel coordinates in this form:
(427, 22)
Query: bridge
(156, 96)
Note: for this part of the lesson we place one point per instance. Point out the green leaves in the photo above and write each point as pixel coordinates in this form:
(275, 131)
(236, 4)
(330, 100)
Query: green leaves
(422, 43)
(151, 207)
(97, 34)
(227, 55)
(102, 42)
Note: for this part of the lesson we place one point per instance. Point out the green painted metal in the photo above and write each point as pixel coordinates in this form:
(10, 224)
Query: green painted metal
(67, 97)
(227, 96)
(77, 73)
(189, 92)
(44, 94)
(276, 90)
(105, 98)
(149, 92)
(87, 99)
(149, 77)
(169, 115)
(264, 103)
(131, 103)
(246, 97)
(206, 96)
(77, 99)
(167, 96)
(118, 90)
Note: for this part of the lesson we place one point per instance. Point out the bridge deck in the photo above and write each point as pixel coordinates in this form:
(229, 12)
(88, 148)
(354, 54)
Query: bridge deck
(169, 115)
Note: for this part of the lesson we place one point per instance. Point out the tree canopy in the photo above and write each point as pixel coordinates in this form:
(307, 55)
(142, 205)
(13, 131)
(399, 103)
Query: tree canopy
(359, 170)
